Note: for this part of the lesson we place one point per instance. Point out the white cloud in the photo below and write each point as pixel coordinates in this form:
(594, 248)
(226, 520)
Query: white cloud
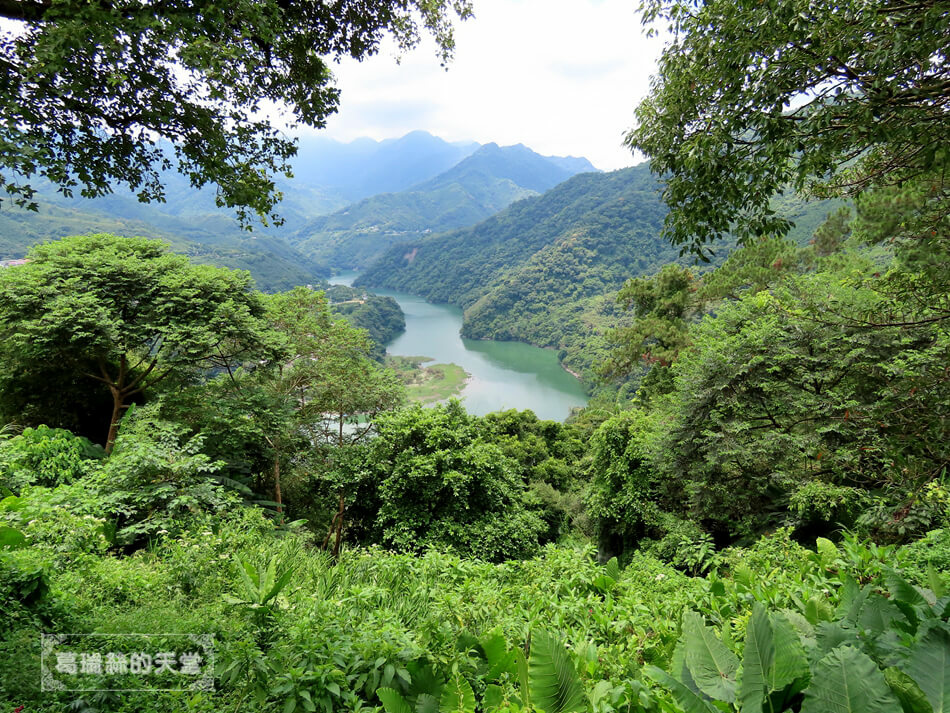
(562, 76)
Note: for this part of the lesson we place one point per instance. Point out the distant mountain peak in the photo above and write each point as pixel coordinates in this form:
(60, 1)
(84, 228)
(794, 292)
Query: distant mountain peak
(481, 184)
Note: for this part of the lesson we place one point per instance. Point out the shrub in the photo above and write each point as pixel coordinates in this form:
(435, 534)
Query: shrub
(47, 457)
(157, 479)
(441, 485)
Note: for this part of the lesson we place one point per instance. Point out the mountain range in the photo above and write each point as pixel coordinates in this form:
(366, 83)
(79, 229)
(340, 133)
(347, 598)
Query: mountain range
(452, 184)
(485, 182)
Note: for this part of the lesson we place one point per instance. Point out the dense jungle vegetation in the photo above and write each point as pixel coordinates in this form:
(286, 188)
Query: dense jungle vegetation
(758, 519)
(791, 399)
(380, 316)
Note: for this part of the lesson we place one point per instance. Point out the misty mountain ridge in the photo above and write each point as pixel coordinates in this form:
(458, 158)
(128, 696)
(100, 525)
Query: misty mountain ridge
(450, 191)
(487, 181)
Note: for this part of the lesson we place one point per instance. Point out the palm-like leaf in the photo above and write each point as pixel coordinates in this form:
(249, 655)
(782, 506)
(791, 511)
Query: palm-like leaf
(392, 701)
(554, 683)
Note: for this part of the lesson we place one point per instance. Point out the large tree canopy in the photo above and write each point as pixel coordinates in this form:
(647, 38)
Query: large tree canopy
(753, 97)
(126, 313)
(88, 88)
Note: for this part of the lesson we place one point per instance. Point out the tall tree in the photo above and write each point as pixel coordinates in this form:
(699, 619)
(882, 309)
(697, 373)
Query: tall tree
(828, 97)
(327, 369)
(663, 304)
(323, 390)
(87, 88)
(126, 313)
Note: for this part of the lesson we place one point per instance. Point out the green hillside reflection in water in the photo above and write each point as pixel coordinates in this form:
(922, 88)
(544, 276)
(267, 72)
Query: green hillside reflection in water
(505, 375)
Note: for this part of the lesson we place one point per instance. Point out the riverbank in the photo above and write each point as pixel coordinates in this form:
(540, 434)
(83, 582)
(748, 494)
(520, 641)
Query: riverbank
(570, 371)
(428, 384)
(489, 375)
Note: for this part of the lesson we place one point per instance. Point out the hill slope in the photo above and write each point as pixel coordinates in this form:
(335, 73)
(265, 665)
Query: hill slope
(479, 186)
(273, 264)
(546, 269)
(328, 175)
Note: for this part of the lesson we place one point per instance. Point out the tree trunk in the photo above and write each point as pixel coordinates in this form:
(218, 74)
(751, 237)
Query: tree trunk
(339, 530)
(336, 527)
(120, 392)
(117, 403)
(277, 497)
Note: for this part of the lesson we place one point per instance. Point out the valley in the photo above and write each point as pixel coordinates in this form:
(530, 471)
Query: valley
(499, 375)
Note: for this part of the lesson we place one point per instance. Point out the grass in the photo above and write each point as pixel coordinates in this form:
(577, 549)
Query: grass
(428, 384)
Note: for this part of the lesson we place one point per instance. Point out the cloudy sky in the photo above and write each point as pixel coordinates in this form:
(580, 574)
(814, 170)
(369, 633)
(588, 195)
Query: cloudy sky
(561, 76)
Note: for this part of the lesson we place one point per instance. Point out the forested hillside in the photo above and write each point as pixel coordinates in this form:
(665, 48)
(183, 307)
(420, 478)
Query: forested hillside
(487, 181)
(327, 175)
(458, 266)
(546, 270)
(211, 239)
(380, 316)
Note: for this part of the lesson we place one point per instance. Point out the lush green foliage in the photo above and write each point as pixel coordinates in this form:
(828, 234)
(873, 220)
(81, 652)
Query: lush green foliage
(123, 312)
(789, 404)
(85, 114)
(440, 483)
(282, 615)
(792, 410)
(380, 316)
(544, 270)
(46, 457)
(538, 271)
(874, 651)
(206, 240)
(752, 97)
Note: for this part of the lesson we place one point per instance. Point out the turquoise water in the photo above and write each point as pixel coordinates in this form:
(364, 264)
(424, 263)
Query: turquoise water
(504, 374)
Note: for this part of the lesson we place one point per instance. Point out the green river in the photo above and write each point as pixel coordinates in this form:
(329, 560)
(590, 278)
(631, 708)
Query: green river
(504, 375)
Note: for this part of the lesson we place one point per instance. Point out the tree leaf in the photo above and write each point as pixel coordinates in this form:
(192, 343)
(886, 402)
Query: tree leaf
(493, 698)
(933, 580)
(507, 664)
(903, 591)
(712, 665)
(553, 680)
(279, 584)
(604, 583)
(848, 681)
(522, 663)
